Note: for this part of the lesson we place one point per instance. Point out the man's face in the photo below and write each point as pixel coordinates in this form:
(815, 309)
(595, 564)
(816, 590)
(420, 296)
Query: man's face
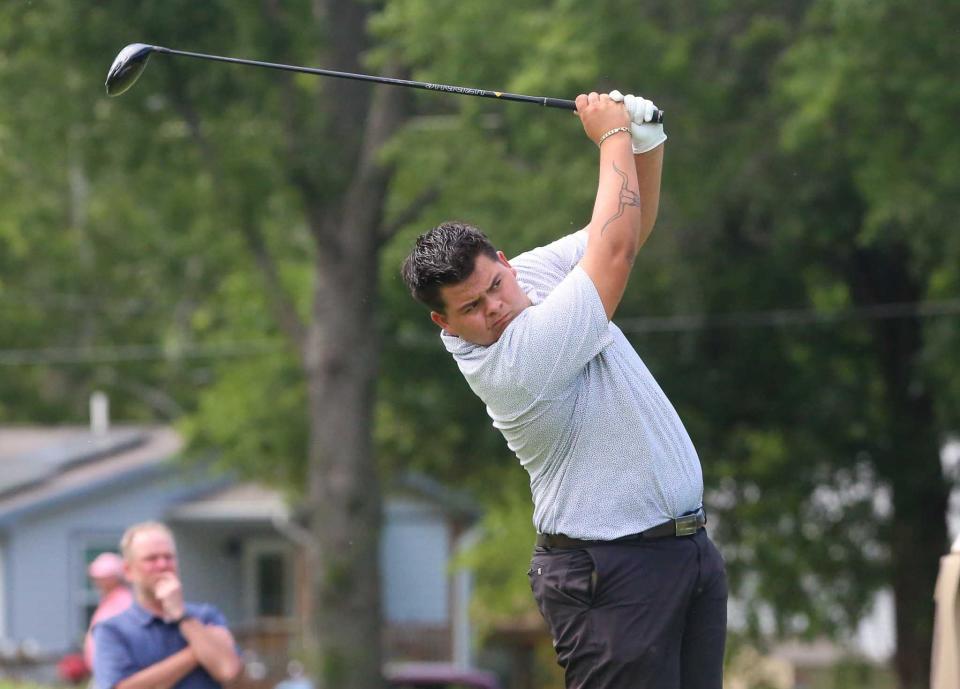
(152, 556)
(481, 307)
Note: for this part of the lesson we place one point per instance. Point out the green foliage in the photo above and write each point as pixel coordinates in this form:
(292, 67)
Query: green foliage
(799, 139)
(812, 167)
(140, 204)
(501, 558)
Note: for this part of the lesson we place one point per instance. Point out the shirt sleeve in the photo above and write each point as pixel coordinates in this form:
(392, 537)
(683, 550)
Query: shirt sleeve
(558, 337)
(545, 267)
(209, 615)
(112, 661)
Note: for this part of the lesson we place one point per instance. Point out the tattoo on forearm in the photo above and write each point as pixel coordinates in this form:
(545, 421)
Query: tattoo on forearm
(628, 197)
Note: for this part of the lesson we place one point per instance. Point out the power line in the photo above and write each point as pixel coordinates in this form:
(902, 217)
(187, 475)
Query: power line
(73, 302)
(789, 317)
(656, 324)
(130, 353)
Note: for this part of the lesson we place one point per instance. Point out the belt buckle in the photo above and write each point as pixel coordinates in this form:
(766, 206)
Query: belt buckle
(686, 525)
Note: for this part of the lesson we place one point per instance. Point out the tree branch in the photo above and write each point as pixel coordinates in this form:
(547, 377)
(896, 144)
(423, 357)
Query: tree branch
(283, 306)
(413, 209)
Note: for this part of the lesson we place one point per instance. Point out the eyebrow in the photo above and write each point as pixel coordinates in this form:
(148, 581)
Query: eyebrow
(477, 300)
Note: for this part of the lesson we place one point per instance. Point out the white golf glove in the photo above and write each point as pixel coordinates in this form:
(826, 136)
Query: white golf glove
(646, 135)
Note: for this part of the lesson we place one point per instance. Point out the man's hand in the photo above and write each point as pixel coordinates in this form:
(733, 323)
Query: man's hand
(169, 594)
(599, 115)
(645, 134)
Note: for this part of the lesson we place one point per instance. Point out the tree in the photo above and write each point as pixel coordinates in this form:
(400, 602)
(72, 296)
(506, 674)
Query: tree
(827, 193)
(794, 181)
(895, 247)
(330, 165)
(285, 171)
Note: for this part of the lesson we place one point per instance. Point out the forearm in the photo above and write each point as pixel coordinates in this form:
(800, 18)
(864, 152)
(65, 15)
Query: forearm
(615, 225)
(649, 167)
(163, 674)
(213, 647)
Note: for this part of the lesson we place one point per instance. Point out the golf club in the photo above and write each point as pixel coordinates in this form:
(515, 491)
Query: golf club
(131, 61)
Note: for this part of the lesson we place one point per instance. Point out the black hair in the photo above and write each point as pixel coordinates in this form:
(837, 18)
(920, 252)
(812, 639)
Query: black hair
(443, 256)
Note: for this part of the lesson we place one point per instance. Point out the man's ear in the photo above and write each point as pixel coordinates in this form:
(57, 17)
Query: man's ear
(438, 318)
(501, 257)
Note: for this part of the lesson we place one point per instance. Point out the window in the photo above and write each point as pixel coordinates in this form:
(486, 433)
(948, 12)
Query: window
(268, 580)
(271, 579)
(86, 594)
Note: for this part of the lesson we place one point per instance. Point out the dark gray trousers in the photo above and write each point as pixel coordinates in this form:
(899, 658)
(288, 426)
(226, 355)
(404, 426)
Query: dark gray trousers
(640, 614)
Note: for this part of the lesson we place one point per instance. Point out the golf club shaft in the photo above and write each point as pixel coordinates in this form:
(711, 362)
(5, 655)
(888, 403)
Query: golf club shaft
(462, 90)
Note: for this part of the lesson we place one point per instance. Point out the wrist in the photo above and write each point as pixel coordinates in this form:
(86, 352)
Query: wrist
(612, 132)
(646, 137)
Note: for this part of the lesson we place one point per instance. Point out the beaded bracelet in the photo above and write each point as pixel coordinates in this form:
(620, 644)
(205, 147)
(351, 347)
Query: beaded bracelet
(612, 132)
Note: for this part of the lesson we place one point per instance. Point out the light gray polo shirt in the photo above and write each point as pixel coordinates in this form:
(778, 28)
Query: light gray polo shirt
(606, 452)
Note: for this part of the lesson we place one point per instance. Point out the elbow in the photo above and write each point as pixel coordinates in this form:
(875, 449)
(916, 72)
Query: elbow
(645, 231)
(649, 221)
(228, 671)
(624, 249)
(622, 260)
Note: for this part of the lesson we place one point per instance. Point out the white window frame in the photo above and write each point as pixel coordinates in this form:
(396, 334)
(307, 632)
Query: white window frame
(82, 591)
(3, 590)
(253, 549)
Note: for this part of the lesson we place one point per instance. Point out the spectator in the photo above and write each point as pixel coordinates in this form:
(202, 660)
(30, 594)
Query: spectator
(106, 572)
(161, 640)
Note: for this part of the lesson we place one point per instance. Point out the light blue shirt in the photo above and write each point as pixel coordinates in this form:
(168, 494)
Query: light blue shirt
(606, 452)
(136, 639)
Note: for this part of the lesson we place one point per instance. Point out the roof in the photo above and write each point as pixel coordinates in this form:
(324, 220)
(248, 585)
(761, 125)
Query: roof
(256, 503)
(41, 466)
(242, 502)
(29, 456)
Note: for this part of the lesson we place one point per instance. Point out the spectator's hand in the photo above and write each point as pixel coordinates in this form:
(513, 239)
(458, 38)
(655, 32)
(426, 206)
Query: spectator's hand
(599, 114)
(169, 594)
(646, 135)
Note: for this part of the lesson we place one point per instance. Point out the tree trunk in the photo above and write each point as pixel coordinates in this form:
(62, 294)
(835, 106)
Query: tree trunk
(340, 355)
(917, 542)
(338, 342)
(344, 491)
(909, 460)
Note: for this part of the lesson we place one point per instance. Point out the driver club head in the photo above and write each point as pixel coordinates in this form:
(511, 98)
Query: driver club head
(126, 67)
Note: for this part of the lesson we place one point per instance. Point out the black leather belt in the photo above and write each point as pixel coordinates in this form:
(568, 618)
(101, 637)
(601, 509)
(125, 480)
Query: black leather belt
(686, 525)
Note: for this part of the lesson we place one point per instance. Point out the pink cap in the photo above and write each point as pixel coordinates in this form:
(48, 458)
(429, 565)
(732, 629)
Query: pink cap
(106, 565)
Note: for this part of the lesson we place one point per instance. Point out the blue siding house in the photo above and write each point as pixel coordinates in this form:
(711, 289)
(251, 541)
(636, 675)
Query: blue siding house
(67, 494)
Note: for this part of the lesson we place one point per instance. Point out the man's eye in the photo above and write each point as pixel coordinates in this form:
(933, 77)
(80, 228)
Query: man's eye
(496, 284)
(468, 309)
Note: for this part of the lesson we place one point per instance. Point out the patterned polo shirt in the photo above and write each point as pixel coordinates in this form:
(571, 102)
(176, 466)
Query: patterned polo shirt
(606, 452)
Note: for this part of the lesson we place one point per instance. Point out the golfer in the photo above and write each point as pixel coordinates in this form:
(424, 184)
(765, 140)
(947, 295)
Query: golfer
(631, 587)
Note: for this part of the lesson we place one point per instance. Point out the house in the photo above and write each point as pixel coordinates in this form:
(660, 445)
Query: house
(67, 494)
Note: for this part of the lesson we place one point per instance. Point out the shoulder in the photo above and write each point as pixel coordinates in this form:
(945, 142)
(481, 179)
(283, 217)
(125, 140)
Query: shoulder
(122, 627)
(121, 620)
(206, 613)
(564, 250)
